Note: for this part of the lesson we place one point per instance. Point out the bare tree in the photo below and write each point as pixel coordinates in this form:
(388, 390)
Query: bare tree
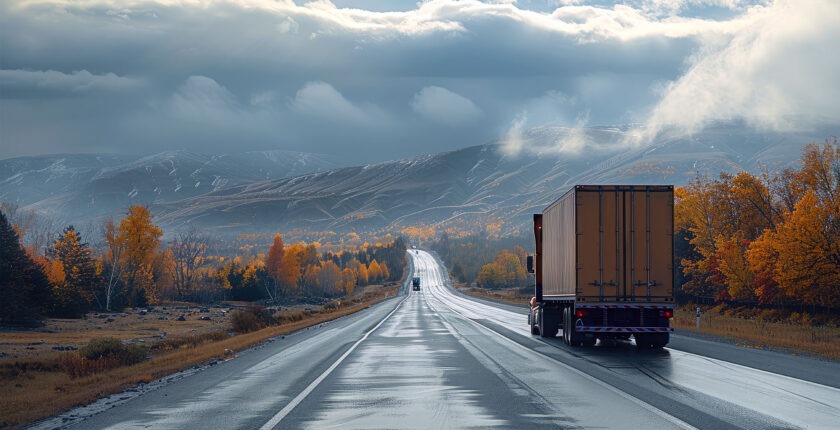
(189, 252)
(35, 232)
(113, 254)
(21, 220)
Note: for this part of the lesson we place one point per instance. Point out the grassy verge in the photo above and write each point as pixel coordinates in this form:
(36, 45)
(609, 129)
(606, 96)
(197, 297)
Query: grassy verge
(41, 386)
(513, 296)
(758, 332)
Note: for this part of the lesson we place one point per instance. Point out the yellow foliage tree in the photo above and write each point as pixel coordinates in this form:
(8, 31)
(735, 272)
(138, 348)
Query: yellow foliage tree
(139, 239)
(808, 247)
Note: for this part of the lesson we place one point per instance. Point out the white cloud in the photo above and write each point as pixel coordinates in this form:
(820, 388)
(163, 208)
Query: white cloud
(444, 106)
(566, 141)
(294, 73)
(513, 143)
(773, 74)
(24, 83)
(202, 98)
(320, 99)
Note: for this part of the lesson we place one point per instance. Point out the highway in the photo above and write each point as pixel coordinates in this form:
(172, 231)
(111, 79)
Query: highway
(436, 359)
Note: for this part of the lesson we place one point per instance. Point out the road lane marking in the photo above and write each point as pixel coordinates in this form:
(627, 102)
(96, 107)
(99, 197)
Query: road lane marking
(309, 389)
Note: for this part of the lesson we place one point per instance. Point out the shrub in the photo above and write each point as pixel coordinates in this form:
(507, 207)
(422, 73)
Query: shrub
(250, 319)
(99, 355)
(292, 316)
(189, 341)
(332, 305)
(113, 349)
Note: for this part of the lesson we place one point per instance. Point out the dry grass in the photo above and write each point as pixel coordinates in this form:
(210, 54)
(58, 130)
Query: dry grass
(40, 388)
(759, 332)
(512, 296)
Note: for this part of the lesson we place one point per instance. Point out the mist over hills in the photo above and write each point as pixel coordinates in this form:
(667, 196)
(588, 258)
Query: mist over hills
(73, 187)
(259, 192)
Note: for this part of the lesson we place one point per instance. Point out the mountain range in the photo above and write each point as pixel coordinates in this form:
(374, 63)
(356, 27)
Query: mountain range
(258, 192)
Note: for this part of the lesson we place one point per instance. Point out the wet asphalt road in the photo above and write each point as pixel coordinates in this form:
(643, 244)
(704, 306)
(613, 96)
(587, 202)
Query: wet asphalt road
(435, 359)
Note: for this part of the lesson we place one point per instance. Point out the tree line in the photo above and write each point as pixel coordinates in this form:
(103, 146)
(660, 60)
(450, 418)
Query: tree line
(467, 258)
(67, 278)
(770, 239)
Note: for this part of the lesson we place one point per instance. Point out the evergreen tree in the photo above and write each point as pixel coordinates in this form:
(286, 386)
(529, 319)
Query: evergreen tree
(24, 290)
(73, 297)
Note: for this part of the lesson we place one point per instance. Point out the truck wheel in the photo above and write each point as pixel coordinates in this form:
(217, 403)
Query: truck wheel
(548, 323)
(532, 323)
(642, 341)
(658, 340)
(566, 326)
(570, 336)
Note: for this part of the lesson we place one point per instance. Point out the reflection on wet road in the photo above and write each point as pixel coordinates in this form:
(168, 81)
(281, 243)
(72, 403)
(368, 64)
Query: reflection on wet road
(436, 359)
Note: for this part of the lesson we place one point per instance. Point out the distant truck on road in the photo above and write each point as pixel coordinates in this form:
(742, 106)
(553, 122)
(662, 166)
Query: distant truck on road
(604, 265)
(415, 283)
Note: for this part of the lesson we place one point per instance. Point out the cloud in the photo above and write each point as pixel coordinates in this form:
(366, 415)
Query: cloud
(557, 140)
(394, 77)
(444, 106)
(201, 96)
(39, 83)
(776, 73)
(321, 100)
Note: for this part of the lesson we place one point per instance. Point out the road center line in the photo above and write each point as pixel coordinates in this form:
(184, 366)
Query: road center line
(303, 394)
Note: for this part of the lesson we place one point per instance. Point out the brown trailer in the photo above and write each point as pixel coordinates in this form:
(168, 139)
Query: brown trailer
(604, 265)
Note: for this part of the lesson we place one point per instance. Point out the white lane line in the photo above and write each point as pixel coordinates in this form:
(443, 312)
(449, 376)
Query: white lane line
(650, 408)
(303, 394)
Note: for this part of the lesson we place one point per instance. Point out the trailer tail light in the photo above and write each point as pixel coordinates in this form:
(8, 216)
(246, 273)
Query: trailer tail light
(580, 313)
(666, 313)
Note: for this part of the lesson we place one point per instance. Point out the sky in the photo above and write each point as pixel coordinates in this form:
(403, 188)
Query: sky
(375, 80)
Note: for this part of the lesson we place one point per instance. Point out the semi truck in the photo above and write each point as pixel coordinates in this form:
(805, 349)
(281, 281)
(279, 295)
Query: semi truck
(604, 265)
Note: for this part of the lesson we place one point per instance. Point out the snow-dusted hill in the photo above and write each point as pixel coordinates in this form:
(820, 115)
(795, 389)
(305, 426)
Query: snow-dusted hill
(473, 182)
(73, 187)
(280, 191)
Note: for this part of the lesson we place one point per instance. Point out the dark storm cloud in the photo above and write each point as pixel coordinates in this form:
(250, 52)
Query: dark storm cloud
(144, 76)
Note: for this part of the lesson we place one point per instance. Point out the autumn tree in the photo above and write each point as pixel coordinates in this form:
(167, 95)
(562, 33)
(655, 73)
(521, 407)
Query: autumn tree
(73, 291)
(773, 239)
(507, 270)
(375, 273)
(808, 253)
(491, 276)
(328, 277)
(24, 290)
(189, 253)
(348, 281)
(138, 239)
(282, 267)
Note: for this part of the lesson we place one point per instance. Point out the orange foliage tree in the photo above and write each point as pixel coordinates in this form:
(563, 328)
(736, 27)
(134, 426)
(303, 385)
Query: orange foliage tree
(770, 239)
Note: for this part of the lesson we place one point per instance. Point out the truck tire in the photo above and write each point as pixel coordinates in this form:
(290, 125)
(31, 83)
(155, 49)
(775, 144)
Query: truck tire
(642, 340)
(659, 340)
(651, 340)
(532, 323)
(570, 336)
(548, 323)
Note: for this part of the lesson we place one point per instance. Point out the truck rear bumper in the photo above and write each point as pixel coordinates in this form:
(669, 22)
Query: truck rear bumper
(596, 329)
